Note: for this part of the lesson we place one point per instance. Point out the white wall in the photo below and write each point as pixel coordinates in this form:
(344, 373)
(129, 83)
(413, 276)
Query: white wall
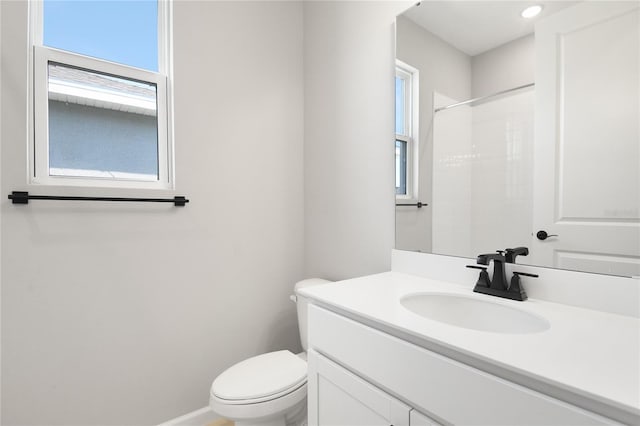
(504, 67)
(1, 56)
(349, 149)
(123, 314)
(446, 70)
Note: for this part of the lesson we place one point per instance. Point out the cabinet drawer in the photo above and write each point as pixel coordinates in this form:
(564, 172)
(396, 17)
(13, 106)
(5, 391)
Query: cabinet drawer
(447, 390)
(337, 397)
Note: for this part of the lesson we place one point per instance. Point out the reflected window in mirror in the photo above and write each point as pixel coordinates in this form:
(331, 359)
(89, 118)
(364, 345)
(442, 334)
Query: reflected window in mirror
(406, 104)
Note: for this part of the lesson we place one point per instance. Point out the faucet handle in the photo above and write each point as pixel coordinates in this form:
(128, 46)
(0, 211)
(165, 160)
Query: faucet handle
(516, 288)
(526, 274)
(483, 279)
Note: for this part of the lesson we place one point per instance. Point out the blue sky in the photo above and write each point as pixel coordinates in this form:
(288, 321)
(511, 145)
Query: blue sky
(119, 31)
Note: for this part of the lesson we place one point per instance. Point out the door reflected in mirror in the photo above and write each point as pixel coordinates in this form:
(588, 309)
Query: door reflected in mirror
(520, 132)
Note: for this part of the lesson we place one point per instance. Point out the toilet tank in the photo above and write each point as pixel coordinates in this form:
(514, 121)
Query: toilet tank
(302, 304)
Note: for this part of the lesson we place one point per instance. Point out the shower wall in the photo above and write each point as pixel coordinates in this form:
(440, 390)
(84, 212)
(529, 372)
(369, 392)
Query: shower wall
(482, 186)
(452, 178)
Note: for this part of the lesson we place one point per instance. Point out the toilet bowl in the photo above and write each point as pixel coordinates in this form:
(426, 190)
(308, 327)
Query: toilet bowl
(268, 389)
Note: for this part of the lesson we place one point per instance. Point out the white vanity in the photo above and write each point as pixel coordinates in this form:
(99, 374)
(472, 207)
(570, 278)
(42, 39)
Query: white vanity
(376, 359)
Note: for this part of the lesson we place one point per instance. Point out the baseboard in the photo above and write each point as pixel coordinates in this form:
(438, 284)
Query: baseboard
(201, 417)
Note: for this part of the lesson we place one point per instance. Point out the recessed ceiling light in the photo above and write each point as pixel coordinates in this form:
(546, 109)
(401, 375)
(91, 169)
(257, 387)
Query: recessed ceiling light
(531, 11)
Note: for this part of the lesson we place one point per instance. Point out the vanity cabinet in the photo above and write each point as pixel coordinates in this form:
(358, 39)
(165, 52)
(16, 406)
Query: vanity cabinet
(350, 364)
(341, 398)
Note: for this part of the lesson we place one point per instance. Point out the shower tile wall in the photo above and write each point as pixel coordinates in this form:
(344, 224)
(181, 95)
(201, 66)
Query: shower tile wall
(482, 185)
(452, 167)
(501, 185)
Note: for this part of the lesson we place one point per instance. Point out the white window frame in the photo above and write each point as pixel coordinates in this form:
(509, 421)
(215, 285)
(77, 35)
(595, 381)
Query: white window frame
(39, 103)
(411, 77)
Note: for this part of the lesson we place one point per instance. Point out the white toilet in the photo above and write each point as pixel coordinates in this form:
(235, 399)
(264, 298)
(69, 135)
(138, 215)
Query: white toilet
(268, 389)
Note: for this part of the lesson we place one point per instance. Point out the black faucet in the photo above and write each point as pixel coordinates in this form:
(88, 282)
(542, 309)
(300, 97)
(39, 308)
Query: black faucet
(497, 285)
(511, 253)
(498, 281)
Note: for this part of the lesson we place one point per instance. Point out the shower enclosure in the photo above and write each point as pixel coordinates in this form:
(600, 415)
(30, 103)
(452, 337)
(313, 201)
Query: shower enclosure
(482, 172)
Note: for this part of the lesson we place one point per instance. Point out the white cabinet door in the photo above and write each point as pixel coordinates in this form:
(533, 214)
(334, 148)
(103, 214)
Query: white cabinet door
(587, 143)
(338, 397)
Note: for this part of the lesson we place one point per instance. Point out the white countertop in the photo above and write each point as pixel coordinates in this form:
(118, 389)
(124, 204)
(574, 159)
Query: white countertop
(592, 354)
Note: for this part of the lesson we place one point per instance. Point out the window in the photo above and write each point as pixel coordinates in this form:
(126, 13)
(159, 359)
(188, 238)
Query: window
(406, 129)
(101, 98)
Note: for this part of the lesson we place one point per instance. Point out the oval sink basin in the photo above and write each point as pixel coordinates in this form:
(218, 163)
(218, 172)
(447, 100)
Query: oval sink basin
(473, 313)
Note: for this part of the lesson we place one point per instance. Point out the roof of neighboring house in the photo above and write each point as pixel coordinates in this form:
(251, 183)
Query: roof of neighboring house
(90, 88)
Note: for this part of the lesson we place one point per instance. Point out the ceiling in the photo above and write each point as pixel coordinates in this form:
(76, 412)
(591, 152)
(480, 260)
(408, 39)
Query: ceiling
(477, 26)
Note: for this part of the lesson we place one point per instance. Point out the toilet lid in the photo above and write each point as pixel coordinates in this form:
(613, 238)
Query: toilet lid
(261, 376)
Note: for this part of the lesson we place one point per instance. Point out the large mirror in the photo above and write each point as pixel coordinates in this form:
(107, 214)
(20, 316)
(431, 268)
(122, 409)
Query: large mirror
(515, 131)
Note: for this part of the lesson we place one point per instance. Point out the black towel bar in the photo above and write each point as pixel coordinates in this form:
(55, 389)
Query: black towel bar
(23, 197)
(418, 205)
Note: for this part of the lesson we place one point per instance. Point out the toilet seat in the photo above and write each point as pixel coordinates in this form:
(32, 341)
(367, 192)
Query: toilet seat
(261, 378)
(263, 386)
(246, 410)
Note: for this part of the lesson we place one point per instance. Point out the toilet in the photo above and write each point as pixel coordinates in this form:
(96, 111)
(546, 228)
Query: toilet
(268, 389)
